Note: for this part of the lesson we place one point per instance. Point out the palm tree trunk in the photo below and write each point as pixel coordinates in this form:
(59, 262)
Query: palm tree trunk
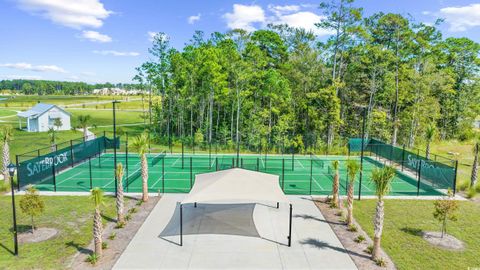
(120, 202)
(97, 232)
(6, 160)
(473, 179)
(144, 178)
(350, 204)
(378, 229)
(336, 180)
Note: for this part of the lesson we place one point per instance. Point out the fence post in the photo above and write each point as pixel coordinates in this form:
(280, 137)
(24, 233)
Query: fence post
(293, 161)
(163, 175)
(216, 163)
(90, 171)
(403, 156)
(455, 178)
(258, 164)
(419, 176)
(191, 174)
(283, 174)
(71, 151)
(311, 175)
(38, 152)
(54, 178)
(241, 163)
(182, 155)
(233, 162)
(18, 173)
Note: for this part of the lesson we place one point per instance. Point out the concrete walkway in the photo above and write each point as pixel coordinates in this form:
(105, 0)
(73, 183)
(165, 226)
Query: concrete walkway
(240, 236)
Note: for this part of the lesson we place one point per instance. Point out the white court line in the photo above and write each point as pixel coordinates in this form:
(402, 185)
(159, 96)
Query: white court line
(68, 178)
(314, 180)
(300, 163)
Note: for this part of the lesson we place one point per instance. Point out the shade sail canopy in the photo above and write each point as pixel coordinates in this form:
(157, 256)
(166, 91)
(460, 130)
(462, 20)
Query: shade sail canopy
(236, 186)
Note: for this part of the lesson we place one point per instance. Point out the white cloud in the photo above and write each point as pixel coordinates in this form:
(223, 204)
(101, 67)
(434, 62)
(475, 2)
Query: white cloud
(303, 19)
(192, 19)
(244, 17)
(426, 12)
(279, 10)
(30, 67)
(461, 18)
(116, 53)
(96, 36)
(71, 13)
(87, 73)
(21, 77)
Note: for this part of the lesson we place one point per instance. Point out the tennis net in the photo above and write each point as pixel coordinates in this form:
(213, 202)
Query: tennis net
(157, 158)
(317, 160)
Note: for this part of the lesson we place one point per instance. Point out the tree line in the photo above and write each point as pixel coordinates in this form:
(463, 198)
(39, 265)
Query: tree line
(283, 86)
(45, 87)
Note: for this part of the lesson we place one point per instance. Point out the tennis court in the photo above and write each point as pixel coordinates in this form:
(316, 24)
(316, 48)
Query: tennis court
(175, 173)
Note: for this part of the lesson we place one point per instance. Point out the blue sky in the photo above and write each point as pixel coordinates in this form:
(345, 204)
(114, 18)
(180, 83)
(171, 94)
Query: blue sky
(104, 40)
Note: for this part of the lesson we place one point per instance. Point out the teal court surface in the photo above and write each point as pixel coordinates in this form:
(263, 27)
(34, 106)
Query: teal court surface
(174, 173)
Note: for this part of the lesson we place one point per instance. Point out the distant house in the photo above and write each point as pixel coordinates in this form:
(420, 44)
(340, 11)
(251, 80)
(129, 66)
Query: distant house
(42, 117)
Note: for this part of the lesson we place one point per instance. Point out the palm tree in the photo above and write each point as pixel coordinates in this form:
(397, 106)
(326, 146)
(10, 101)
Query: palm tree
(83, 123)
(429, 134)
(352, 169)
(473, 179)
(6, 135)
(336, 183)
(97, 197)
(382, 179)
(140, 144)
(120, 201)
(53, 138)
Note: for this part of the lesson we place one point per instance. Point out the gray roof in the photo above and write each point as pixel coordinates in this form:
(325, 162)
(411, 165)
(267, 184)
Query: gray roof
(38, 110)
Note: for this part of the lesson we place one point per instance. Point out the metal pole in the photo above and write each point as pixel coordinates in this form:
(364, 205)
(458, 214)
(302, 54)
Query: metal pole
(311, 175)
(258, 164)
(126, 161)
(54, 179)
(163, 175)
(238, 148)
(182, 155)
(403, 156)
(361, 155)
(455, 179)
(293, 160)
(419, 176)
(283, 173)
(181, 225)
(15, 237)
(191, 174)
(115, 145)
(71, 152)
(90, 171)
(216, 163)
(290, 228)
(18, 174)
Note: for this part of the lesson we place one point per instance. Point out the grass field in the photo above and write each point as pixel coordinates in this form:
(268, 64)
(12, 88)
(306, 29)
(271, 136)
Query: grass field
(72, 216)
(171, 174)
(405, 220)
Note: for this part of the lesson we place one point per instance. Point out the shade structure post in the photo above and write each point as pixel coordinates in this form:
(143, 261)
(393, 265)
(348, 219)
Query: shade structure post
(289, 227)
(181, 225)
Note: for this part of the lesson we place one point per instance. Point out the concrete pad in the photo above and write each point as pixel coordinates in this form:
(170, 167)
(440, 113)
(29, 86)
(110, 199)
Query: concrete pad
(245, 236)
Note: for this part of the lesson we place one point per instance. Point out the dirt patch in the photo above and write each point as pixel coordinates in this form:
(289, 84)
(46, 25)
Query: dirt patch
(357, 251)
(39, 235)
(447, 242)
(122, 238)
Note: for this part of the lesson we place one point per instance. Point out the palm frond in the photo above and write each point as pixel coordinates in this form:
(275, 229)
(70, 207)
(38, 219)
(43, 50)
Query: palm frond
(97, 196)
(352, 169)
(382, 179)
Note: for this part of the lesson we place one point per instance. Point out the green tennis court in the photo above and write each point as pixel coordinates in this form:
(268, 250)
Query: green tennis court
(173, 173)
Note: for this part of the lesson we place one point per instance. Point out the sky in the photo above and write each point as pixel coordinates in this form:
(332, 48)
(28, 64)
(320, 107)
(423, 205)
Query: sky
(99, 41)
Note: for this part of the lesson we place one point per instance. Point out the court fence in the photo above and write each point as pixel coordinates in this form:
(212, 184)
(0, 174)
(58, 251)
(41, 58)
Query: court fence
(439, 172)
(36, 168)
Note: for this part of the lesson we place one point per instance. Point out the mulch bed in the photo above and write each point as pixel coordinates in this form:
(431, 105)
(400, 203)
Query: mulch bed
(357, 251)
(123, 236)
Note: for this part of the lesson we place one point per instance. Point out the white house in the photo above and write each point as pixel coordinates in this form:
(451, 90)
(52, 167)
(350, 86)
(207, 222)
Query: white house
(41, 117)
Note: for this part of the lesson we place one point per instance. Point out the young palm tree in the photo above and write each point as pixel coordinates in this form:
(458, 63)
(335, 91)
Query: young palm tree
(120, 201)
(336, 183)
(97, 197)
(473, 179)
(382, 179)
(352, 169)
(6, 135)
(83, 123)
(52, 133)
(429, 134)
(140, 144)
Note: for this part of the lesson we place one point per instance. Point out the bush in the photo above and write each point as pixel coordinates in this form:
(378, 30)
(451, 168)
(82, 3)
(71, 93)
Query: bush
(471, 193)
(132, 210)
(121, 224)
(369, 249)
(477, 188)
(359, 239)
(112, 236)
(92, 258)
(463, 186)
(352, 228)
(104, 245)
(381, 262)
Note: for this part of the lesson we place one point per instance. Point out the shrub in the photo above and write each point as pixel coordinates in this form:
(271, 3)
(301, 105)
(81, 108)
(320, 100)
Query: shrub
(477, 188)
(463, 186)
(471, 193)
(132, 210)
(369, 249)
(32, 205)
(339, 213)
(352, 228)
(128, 217)
(139, 203)
(121, 225)
(381, 262)
(104, 245)
(359, 239)
(445, 209)
(92, 258)
(112, 236)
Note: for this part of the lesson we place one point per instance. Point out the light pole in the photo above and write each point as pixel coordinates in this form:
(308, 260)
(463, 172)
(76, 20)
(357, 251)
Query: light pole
(11, 171)
(115, 145)
(361, 153)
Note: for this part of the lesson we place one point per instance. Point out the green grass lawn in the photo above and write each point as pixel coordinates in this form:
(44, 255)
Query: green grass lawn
(406, 219)
(72, 216)
(6, 112)
(31, 100)
(105, 117)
